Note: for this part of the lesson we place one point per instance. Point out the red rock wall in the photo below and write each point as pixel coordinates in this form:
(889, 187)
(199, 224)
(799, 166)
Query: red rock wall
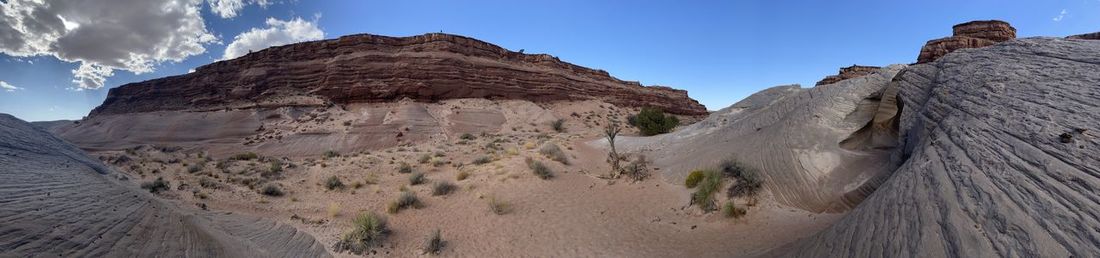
(848, 73)
(967, 35)
(371, 68)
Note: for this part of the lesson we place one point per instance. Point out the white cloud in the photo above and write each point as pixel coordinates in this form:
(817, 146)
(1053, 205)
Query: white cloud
(1060, 16)
(104, 35)
(230, 8)
(8, 87)
(277, 33)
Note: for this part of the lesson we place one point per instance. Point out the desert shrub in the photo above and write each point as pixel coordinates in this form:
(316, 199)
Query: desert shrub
(271, 190)
(442, 188)
(638, 169)
(333, 183)
(499, 207)
(467, 136)
(245, 156)
(157, 185)
(404, 201)
(540, 170)
(749, 180)
(434, 244)
(558, 125)
(417, 178)
(369, 230)
(424, 159)
(482, 160)
(404, 168)
(208, 182)
(276, 167)
(331, 154)
(462, 175)
(652, 121)
(704, 193)
(438, 162)
(693, 179)
(194, 168)
(732, 211)
(554, 152)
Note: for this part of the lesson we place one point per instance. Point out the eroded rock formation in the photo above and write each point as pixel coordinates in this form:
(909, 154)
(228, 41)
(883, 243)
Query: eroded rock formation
(59, 202)
(999, 156)
(371, 68)
(848, 73)
(1089, 36)
(972, 34)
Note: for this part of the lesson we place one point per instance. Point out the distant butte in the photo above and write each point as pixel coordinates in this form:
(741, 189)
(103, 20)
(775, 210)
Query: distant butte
(370, 68)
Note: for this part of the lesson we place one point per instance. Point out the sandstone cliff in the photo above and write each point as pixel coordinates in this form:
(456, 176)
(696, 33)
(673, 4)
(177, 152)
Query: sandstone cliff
(848, 73)
(972, 34)
(371, 68)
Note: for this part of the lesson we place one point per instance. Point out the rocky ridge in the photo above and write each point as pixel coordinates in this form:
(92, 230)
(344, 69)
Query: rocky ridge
(371, 68)
(848, 73)
(972, 34)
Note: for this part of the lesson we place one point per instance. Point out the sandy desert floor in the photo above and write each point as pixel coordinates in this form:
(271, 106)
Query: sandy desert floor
(575, 213)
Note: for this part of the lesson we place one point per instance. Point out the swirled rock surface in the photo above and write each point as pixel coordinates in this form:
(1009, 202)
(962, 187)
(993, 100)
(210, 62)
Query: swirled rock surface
(370, 68)
(56, 201)
(998, 156)
(972, 34)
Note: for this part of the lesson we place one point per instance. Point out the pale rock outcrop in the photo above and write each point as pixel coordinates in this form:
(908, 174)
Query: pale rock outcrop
(999, 156)
(55, 201)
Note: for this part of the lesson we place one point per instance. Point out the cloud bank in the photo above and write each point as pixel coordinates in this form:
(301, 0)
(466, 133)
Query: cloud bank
(8, 87)
(231, 8)
(277, 33)
(104, 35)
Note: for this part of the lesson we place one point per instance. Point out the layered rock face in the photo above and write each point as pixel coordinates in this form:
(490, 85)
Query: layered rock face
(810, 143)
(999, 156)
(371, 68)
(59, 202)
(848, 73)
(973, 34)
(1088, 36)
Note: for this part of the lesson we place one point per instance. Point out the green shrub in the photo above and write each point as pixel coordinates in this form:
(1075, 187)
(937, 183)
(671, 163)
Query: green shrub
(369, 231)
(276, 167)
(157, 185)
(704, 194)
(404, 201)
(652, 121)
(271, 190)
(554, 152)
(693, 179)
(416, 178)
(482, 160)
(331, 154)
(558, 125)
(540, 170)
(749, 180)
(245, 156)
(731, 211)
(434, 244)
(442, 188)
(404, 168)
(333, 183)
(424, 159)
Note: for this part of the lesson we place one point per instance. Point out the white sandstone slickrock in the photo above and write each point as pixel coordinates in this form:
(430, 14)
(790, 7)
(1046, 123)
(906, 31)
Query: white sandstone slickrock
(56, 201)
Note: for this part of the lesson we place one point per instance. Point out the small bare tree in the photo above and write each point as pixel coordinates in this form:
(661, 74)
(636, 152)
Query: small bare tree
(611, 131)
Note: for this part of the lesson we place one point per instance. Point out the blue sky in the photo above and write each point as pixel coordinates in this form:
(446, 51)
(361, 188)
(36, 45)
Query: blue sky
(720, 51)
